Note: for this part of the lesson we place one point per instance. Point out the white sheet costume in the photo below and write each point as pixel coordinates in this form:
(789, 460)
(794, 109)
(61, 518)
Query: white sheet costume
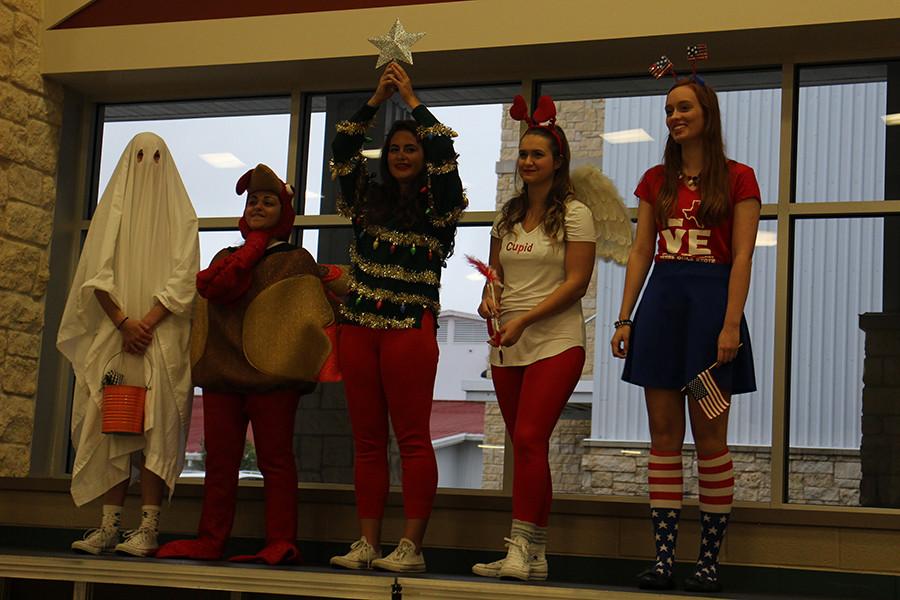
(142, 247)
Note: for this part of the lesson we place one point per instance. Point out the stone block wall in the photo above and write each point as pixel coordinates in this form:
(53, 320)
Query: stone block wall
(30, 119)
(880, 447)
(620, 468)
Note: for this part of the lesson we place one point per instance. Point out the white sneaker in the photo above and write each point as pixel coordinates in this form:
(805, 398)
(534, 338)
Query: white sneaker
(402, 560)
(491, 569)
(523, 561)
(139, 542)
(96, 541)
(360, 556)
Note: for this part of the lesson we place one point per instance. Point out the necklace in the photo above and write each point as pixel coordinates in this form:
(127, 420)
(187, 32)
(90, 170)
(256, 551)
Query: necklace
(692, 181)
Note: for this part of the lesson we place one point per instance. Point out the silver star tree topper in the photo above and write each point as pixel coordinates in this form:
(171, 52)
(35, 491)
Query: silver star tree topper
(395, 44)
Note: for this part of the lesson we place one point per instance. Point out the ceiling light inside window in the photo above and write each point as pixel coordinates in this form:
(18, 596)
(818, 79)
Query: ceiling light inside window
(626, 136)
(891, 119)
(223, 160)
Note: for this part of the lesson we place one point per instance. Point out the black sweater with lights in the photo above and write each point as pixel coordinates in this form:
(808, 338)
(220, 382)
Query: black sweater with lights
(395, 271)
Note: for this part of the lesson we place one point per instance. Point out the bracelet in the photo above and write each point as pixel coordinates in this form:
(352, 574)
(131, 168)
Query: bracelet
(122, 322)
(623, 323)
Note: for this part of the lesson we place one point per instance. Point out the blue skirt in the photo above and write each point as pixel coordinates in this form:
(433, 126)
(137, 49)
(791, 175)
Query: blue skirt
(676, 330)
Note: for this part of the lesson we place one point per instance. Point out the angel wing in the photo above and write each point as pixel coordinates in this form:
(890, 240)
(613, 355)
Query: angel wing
(611, 222)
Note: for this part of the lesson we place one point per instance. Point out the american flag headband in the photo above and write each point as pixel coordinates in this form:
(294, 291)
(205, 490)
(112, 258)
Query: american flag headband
(543, 117)
(663, 64)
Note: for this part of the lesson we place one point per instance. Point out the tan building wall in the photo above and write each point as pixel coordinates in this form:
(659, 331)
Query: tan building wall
(30, 118)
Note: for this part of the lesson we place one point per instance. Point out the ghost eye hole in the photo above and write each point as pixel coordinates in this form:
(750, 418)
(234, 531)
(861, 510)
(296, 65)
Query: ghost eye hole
(140, 155)
(156, 156)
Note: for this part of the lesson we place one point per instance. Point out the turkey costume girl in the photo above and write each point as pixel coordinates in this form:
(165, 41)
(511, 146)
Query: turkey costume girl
(259, 343)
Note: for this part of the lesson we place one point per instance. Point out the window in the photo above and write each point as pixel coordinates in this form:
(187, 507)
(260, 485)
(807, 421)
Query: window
(618, 125)
(213, 143)
(461, 390)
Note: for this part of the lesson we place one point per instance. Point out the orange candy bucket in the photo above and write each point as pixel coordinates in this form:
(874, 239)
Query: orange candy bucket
(123, 406)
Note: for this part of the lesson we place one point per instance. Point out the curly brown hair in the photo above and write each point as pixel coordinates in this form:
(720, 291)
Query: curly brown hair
(554, 218)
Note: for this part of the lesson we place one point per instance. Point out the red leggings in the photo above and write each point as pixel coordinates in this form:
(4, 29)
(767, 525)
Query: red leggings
(390, 372)
(225, 418)
(532, 398)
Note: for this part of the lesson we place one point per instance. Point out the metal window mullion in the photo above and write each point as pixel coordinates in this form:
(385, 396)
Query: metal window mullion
(781, 378)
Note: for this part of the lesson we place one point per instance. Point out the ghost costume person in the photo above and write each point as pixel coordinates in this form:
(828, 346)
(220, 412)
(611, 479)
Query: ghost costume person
(259, 342)
(132, 294)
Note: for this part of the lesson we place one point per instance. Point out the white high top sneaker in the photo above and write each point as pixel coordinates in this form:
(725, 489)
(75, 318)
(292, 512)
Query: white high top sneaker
(524, 560)
(104, 538)
(143, 540)
(360, 556)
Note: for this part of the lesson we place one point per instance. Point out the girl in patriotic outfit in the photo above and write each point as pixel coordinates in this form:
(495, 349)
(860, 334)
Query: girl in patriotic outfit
(404, 229)
(702, 210)
(543, 251)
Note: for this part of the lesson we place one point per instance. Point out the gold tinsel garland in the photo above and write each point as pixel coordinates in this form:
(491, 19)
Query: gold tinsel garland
(340, 169)
(394, 297)
(392, 271)
(353, 127)
(448, 166)
(438, 129)
(377, 321)
(405, 238)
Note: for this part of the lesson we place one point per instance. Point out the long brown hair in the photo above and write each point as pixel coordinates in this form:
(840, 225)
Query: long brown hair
(715, 206)
(554, 218)
(385, 202)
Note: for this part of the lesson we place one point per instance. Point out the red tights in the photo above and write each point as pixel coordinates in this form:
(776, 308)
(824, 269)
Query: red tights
(532, 398)
(225, 418)
(390, 373)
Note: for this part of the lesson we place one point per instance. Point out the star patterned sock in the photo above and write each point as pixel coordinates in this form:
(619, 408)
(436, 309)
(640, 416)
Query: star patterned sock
(666, 479)
(716, 482)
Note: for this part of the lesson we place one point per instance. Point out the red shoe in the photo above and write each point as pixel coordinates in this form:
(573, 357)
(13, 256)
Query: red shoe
(276, 553)
(199, 549)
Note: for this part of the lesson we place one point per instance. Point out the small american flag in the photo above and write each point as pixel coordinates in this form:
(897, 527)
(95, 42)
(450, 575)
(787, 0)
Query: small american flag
(697, 52)
(661, 67)
(704, 389)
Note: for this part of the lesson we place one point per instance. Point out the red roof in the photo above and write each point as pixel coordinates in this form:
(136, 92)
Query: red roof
(451, 417)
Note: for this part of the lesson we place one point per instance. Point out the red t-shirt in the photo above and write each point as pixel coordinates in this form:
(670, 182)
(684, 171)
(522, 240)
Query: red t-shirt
(685, 238)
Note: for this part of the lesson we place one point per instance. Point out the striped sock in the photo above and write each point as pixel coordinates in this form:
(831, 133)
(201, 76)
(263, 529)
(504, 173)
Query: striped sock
(666, 479)
(524, 529)
(716, 478)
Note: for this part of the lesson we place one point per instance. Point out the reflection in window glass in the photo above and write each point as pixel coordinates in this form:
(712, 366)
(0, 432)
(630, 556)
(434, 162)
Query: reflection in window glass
(841, 133)
(211, 152)
(838, 275)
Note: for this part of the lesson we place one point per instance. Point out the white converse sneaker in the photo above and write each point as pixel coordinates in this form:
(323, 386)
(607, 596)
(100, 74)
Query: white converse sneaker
(523, 561)
(360, 556)
(491, 569)
(96, 541)
(139, 542)
(402, 560)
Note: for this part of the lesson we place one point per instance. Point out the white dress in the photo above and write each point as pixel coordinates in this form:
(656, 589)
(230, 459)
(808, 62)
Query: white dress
(142, 247)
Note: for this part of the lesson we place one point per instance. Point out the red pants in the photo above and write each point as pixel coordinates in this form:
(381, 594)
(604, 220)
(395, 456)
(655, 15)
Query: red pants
(225, 418)
(390, 373)
(531, 399)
